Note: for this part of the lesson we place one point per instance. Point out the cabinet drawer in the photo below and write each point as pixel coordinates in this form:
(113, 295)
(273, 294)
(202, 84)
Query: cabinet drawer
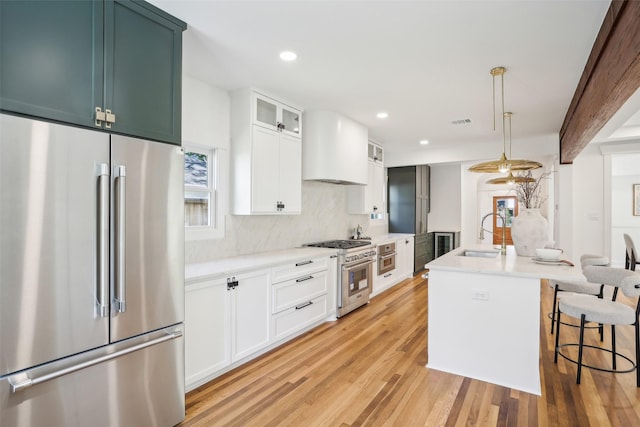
(299, 317)
(298, 269)
(297, 291)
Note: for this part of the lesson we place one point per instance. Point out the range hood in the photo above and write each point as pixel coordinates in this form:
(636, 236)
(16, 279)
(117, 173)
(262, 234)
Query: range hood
(334, 148)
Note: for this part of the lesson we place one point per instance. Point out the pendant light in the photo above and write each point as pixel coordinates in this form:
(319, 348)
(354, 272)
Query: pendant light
(510, 179)
(503, 164)
(516, 165)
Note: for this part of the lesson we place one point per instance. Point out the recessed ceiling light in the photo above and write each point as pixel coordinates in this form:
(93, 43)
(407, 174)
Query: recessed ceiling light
(382, 115)
(424, 141)
(288, 56)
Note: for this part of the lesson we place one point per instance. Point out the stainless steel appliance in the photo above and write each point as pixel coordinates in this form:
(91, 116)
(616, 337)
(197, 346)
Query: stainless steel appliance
(386, 258)
(355, 272)
(91, 278)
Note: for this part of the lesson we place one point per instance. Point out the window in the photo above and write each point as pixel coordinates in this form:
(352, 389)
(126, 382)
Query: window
(199, 187)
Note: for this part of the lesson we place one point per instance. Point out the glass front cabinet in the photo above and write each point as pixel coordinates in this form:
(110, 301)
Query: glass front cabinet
(276, 116)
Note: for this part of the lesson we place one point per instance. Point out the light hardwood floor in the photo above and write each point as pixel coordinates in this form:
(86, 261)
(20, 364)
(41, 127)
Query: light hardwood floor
(368, 368)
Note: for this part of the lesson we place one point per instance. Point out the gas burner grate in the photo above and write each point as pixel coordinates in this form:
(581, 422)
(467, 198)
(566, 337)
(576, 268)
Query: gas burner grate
(341, 244)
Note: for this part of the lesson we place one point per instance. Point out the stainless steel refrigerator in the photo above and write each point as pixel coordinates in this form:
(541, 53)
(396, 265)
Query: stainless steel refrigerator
(91, 278)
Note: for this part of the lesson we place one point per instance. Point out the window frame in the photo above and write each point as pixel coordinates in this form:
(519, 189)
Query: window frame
(215, 229)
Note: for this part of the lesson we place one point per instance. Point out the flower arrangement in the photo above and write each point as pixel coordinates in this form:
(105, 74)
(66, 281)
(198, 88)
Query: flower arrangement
(528, 190)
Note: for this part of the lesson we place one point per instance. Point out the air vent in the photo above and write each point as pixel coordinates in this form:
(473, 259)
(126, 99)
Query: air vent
(461, 122)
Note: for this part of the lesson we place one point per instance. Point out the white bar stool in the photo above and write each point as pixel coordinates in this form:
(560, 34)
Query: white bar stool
(589, 309)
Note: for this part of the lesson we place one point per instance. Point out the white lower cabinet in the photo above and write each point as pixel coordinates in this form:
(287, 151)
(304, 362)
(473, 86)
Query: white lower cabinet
(250, 314)
(296, 318)
(207, 330)
(301, 295)
(403, 270)
(226, 320)
(384, 281)
(404, 257)
(231, 319)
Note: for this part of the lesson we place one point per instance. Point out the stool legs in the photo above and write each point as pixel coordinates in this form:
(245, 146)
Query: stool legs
(637, 327)
(613, 346)
(553, 311)
(555, 356)
(601, 326)
(580, 345)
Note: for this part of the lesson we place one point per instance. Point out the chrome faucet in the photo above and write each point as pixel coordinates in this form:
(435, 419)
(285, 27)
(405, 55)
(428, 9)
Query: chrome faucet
(503, 247)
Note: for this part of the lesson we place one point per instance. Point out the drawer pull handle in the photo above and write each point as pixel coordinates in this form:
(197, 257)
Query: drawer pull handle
(298, 264)
(304, 279)
(387, 275)
(301, 306)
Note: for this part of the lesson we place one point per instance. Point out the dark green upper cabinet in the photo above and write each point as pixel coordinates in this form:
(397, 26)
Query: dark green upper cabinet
(62, 60)
(143, 70)
(51, 59)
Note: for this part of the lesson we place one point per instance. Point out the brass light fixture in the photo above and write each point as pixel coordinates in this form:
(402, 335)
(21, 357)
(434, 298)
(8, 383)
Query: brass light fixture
(510, 179)
(503, 164)
(516, 165)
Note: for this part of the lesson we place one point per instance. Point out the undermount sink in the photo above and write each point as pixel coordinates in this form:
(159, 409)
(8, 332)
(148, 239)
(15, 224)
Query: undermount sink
(481, 253)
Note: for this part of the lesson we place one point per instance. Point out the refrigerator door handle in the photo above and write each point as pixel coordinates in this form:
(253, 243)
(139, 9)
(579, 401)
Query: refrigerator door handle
(102, 303)
(120, 233)
(22, 381)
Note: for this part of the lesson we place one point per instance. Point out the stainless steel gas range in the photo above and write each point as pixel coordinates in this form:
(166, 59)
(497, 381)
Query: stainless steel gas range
(355, 272)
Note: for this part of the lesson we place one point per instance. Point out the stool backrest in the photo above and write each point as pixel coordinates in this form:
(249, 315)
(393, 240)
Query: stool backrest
(627, 280)
(631, 254)
(589, 259)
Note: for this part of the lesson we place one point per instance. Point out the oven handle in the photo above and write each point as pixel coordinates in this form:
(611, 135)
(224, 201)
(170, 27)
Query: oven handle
(349, 267)
(386, 256)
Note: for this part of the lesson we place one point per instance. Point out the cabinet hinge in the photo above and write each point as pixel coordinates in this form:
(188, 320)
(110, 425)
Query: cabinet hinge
(104, 116)
(101, 116)
(110, 118)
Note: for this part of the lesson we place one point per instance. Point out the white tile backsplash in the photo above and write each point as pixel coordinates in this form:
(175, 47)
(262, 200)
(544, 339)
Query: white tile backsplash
(324, 217)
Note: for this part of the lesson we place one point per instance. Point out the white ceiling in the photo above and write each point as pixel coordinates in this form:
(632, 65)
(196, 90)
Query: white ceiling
(426, 63)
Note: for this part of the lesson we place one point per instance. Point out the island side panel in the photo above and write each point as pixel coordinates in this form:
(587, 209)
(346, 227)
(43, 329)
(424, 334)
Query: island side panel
(486, 327)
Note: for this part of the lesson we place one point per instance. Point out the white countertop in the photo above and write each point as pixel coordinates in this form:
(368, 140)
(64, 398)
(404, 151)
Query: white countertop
(238, 264)
(384, 238)
(508, 265)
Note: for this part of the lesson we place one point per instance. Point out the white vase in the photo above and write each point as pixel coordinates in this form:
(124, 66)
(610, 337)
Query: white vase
(529, 232)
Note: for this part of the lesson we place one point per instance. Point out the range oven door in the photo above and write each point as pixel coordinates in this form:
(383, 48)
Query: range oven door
(356, 283)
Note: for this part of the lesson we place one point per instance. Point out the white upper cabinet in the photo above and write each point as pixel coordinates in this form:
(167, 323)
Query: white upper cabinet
(266, 155)
(370, 199)
(376, 153)
(276, 116)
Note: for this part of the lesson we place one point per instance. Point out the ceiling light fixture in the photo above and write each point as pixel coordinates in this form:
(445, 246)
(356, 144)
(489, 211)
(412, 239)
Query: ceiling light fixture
(288, 56)
(424, 141)
(382, 115)
(503, 164)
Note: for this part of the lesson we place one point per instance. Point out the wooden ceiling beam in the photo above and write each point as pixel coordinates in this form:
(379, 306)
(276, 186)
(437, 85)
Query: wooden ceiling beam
(610, 77)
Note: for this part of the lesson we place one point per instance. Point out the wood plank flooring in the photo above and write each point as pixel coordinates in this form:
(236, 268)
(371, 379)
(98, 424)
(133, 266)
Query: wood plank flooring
(368, 369)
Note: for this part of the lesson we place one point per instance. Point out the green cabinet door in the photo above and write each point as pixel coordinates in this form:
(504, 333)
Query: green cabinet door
(60, 59)
(143, 47)
(51, 59)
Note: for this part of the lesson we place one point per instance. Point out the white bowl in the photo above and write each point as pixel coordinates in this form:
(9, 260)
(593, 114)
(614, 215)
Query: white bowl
(547, 253)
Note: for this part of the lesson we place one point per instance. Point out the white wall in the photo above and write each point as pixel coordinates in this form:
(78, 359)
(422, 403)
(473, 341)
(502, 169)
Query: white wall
(587, 193)
(622, 171)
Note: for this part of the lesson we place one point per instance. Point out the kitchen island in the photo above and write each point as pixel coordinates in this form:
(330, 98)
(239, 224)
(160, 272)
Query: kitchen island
(484, 315)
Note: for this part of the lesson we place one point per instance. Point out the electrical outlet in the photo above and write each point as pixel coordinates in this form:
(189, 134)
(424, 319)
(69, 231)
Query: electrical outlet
(480, 295)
